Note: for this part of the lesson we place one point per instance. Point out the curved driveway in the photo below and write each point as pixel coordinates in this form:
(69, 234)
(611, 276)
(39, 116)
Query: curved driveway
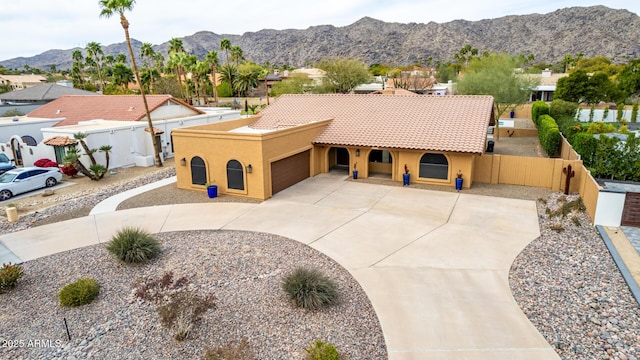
(434, 264)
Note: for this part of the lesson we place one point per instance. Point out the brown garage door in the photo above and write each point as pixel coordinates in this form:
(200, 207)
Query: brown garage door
(631, 211)
(289, 171)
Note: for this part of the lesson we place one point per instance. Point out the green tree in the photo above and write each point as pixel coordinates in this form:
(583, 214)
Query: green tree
(212, 59)
(343, 75)
(629, 78)
(572, 88)
(110, 8)
(379, 69)
(494, 75)
(225, 44)
(296, 84)
(146, 54)
(245, 80)
(236, 54)
(95, 53)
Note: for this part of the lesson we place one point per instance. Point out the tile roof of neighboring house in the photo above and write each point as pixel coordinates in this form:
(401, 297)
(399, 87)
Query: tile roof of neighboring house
(438, 123)
(60, 141)
(29, 78)
(75, 108)
(43, 92)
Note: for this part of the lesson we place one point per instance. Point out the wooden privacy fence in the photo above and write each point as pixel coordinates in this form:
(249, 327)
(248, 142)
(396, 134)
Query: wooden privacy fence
(538, 172)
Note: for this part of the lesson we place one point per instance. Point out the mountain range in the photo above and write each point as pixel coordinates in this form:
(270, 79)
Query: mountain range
(595, 30)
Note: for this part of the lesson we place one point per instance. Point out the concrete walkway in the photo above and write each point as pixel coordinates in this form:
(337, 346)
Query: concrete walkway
(434, 264)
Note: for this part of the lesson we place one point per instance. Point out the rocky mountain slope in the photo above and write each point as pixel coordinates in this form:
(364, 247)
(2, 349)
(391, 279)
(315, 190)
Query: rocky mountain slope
(595, 30)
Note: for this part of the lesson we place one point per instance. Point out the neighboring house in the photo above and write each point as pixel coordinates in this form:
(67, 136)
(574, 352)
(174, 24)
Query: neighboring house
(547, 87)
(298, 136)
(116, 120)
(18, 82)
(316, 75)
(31, 98)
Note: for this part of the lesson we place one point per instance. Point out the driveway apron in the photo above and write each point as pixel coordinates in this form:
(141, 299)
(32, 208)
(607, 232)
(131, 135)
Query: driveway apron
(434, 264)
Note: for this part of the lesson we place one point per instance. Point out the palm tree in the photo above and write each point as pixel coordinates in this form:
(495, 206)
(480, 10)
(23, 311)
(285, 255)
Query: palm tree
(76, 69)
(146, 51)
(174, 64)
(236, 54)
(106, 149)
(212, 59)
(175, 46)
(109, 8)
(122, 76)
(94, 52)
(121, 58)
(225, 44)
(245, 80)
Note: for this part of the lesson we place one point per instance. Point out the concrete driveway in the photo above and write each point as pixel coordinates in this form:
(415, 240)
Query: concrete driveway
(434, 264)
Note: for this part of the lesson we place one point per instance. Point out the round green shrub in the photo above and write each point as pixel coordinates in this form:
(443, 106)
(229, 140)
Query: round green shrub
(9, 276)
(79, 293)
(310, 289)
(322, 351)
(133, 245)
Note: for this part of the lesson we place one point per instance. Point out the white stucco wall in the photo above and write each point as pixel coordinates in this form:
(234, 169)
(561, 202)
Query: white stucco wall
(9, 128)
(609, 209)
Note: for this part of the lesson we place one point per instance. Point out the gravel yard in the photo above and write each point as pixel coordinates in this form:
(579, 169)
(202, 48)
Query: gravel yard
(243, 270)
(569, 287)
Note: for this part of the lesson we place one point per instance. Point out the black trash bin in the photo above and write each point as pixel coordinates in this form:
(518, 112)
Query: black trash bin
(490, 146)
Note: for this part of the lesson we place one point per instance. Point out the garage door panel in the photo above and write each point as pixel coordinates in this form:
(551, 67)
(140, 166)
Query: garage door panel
(289, 171)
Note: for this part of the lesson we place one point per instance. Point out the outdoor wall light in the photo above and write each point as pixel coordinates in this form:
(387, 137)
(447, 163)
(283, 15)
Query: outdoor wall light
(357, 152)
(183, 162)
(249, 169)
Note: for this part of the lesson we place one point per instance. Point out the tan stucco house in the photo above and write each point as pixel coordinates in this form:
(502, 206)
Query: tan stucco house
(298, 136)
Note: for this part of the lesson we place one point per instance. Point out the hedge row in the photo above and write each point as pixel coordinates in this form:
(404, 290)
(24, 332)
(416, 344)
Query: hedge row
(549, 135)
(538, 109)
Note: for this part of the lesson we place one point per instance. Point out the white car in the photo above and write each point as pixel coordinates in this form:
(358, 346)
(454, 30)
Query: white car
(18, 181)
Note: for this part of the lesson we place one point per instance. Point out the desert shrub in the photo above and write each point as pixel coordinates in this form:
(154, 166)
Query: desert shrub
(538, 109)
(310, 289)
(9, 276)
(79, 293)
(230, 351)
(320, 350)
(557, 227)
(183, 310)
(133, 245)
(44, 162)
(560, 108)
(154, 290)
(549, 135)
(576, 221)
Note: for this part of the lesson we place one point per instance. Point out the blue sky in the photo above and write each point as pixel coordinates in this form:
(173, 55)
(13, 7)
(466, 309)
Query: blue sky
(40, 25)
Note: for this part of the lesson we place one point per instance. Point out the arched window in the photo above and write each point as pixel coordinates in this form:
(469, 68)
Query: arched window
(198, 171)
(434, 166)
(235, 175)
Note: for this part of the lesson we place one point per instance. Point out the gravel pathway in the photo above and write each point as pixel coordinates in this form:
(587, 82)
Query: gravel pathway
(569, 287)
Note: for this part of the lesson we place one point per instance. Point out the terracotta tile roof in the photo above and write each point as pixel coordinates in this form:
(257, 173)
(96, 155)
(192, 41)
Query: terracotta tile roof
(438, 123)
(60, 141)
(156, 131)
(75, 108)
